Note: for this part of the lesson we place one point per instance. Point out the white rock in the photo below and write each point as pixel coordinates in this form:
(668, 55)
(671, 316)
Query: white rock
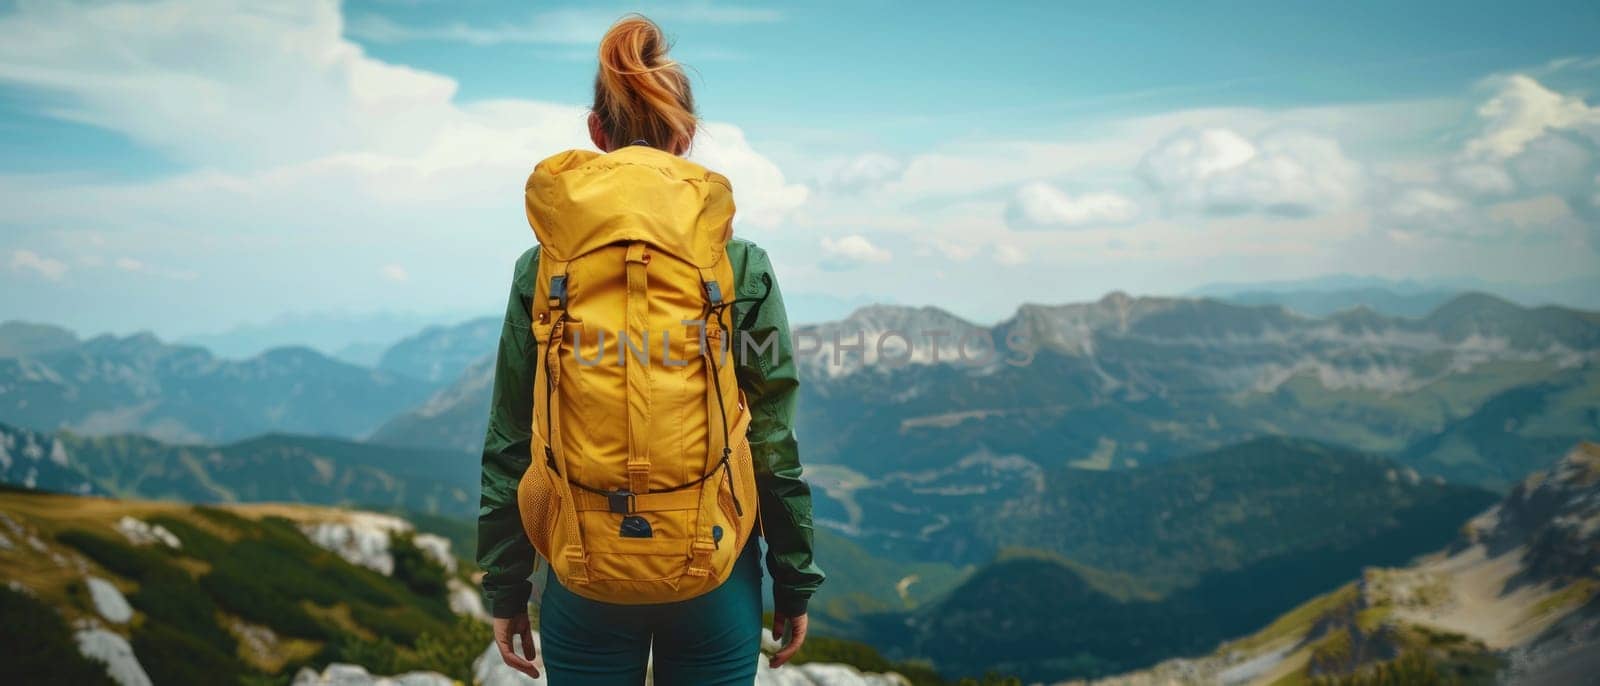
(490, 670)
(465, 600)
(438, 548)
(361, 538)
(109, 601)
(112, 649)
(140, 532)
(816, 674)
(340, 674)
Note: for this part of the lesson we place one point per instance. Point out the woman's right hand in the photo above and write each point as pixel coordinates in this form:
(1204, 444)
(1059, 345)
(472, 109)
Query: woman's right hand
(507, 627)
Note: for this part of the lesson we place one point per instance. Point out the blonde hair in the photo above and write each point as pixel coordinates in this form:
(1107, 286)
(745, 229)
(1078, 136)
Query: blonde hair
(639, 93)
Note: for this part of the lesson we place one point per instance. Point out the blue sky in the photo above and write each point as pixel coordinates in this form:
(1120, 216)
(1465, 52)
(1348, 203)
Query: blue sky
(189, 166)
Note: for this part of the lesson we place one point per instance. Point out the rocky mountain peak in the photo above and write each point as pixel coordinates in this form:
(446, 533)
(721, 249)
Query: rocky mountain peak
(1555, 514)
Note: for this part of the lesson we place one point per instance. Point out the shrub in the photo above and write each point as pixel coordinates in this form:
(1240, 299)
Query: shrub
(172, 656)
(39, 645)
(197, 542)
(223, 518)
(416, 569)
(449, 650)
(256, 600)
(173, 600)
(452, 651)
(117, 557)
(401, 624)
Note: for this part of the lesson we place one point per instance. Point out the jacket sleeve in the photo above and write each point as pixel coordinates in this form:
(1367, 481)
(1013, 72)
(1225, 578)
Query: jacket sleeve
(504, 553)
(771, 384)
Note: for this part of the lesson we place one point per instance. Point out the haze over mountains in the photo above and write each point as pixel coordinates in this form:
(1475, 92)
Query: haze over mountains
(139, 384)
(1157, 461)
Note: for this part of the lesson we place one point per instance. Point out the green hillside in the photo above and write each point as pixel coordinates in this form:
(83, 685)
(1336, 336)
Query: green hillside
(1229, 508)
(1173, 558)
(244, 596)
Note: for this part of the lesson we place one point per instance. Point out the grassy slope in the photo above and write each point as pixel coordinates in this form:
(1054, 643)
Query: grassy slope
(242, 568)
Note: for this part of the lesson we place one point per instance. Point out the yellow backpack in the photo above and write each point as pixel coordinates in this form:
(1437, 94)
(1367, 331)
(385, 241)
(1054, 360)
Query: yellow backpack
(641, 488)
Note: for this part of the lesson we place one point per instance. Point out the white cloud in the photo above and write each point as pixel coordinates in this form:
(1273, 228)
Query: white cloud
(1007, 254)
(1220, 171)
(863, 172)
(763, 196)
(1482, 179)
(134, 266)
(1522, 110)
(1419, 203)
(1039, 205)
(1523, 173)
(1558, 161)
(300, 149)
(395, 273)
(30, 261)
(851, 251)
(560, 27)
(265, 93)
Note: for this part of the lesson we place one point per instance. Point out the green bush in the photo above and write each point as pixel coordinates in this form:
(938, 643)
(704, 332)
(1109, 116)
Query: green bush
(223, 518)
(117, 557)
(197, 542)
(39, 646)
(255, 599)
(1410, 669)
(400, 624)
(173, 600)
(449, 650)
(452, 651)
(173, 656)
(414, 568)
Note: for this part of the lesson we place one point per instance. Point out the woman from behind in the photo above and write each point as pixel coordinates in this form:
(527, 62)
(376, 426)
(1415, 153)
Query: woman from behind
(648, 493)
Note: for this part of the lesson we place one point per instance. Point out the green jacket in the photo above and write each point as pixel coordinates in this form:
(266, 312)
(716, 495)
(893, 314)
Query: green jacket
(771, 384)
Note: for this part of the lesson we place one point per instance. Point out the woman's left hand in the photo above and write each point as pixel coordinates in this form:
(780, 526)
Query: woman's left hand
(792, 627)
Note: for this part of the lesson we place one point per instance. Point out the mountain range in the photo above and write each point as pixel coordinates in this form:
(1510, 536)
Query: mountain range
(268, 468)
(1127, 380)
(1171, 472)
(138, 384)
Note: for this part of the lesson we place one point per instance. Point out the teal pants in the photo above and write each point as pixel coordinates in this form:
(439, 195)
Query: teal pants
(712, 640)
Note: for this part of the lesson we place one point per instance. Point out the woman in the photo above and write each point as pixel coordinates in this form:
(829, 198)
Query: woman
(643, 113)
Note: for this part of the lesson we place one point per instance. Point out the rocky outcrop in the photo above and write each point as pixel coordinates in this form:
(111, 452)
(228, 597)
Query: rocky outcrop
(112, 649)
(362, 538)
(340, 674)
(139, 532)
(1555, 515)
(108, 600)
(490, 670)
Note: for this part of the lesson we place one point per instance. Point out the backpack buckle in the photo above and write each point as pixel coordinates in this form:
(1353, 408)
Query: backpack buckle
(558, 292)
(620, 501)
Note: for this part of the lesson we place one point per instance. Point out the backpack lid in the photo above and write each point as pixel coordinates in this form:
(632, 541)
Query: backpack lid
(580, 200)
